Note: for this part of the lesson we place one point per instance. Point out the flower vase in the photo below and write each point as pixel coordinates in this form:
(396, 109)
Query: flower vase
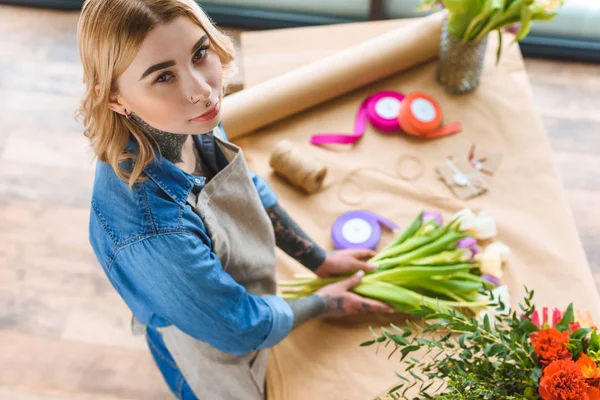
(461, 62)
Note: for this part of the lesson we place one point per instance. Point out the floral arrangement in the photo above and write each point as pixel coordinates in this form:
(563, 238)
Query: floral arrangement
(473, 20)
(501, 355)
(428, 263)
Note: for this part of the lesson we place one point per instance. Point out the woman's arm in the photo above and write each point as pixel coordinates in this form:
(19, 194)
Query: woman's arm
(335, 300)
(290, 238)
(178, 277)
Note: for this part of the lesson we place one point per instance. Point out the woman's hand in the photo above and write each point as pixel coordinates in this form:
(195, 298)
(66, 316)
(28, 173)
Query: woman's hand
(338, 301)
(345, 261)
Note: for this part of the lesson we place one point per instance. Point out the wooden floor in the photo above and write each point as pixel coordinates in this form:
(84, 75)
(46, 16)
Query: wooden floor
(64, 331)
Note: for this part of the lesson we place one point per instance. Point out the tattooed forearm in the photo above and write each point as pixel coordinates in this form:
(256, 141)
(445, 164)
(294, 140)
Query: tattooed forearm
(306, 309)
(292, 239)
(317, 305)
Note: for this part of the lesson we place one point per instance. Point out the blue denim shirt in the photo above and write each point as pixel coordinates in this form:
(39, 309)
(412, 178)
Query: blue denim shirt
(157, 254)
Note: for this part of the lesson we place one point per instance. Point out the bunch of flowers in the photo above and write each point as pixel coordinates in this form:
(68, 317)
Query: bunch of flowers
(511, 355)
(428, 263)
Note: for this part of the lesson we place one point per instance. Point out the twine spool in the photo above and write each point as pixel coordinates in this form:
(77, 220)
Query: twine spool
(303, 172)
(308, 174)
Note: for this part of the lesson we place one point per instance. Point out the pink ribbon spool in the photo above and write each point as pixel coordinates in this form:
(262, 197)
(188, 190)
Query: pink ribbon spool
(381, 110)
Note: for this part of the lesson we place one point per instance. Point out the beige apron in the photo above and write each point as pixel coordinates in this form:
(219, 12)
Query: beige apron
(243, 240)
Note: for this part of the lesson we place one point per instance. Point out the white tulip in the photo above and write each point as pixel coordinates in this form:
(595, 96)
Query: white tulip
(485, 227)
(490, 263)
(500, 248)
(466, 218)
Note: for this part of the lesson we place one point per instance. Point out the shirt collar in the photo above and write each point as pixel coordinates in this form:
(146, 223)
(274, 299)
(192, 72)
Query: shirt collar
(171, 179)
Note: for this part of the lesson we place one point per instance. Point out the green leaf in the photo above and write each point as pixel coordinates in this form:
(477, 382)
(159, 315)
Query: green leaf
(528, 327)
(595, 341)
(540, 13)
(486, 323)
(399, 339)
(580, 333)
(479, 22)
(526, 15)
(461, 340)
(568, 318)
(458, 6)
(367, 343)
(422, 312)
(398, 387)
(401, 377)
(417, 377)
(373, 332)
(498, 53)
(493, 349)
(407, 350)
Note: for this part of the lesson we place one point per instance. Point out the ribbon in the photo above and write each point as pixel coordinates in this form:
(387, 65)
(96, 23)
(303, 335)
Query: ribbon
(417, 114)
(381, 110)
(420, 115)
(359, 230)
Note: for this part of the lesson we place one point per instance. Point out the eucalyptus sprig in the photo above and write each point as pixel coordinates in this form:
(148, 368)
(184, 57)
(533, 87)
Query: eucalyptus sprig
(488, 358)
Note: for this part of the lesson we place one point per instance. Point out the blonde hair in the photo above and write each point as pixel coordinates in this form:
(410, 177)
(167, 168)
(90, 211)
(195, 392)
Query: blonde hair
(110, 33)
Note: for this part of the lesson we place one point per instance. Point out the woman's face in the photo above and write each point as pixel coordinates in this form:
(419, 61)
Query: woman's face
(174, 81)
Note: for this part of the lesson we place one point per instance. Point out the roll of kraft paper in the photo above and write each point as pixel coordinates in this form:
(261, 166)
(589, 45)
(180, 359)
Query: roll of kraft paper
(332, 76)
(381, 110)
(420, 115)
(359, 230)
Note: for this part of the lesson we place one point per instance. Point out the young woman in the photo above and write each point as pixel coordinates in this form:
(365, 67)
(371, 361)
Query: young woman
(183, 230)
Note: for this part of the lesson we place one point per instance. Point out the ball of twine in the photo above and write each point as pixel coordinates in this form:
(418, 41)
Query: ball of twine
(308, 174)
(300, 170)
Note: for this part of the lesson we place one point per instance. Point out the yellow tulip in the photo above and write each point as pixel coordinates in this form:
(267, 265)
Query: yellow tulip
(549, 5)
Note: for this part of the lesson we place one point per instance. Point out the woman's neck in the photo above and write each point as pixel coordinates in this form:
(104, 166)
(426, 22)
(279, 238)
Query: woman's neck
(170, 145)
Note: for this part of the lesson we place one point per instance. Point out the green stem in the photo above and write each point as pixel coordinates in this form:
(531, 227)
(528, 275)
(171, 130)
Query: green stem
(434, 247)
(492, 338)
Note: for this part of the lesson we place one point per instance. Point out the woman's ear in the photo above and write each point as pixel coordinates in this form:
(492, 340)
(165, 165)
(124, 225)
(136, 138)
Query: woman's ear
(114, 103)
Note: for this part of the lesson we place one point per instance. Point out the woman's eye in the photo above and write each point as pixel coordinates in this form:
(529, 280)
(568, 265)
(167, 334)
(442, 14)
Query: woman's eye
(200, 54)
(164, 77)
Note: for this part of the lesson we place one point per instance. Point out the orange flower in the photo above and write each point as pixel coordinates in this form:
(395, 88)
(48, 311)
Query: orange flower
(563, 380)
(593, 393)
(588, 367)
(550, 345)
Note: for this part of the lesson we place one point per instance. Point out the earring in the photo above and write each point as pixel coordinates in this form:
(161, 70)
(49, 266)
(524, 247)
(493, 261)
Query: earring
(128, 116)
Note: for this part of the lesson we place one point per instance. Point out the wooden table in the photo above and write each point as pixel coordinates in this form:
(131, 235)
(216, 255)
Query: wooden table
(526, 197)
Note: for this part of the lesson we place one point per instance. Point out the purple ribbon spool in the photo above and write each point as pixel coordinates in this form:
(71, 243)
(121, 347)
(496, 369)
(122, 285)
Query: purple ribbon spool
(359, 230)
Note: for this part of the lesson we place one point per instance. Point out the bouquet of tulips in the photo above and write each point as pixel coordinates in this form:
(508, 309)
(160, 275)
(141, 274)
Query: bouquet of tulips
(428, 264)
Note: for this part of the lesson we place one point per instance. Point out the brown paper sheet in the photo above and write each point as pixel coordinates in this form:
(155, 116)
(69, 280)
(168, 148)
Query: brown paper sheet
(340, 72)
(323, 360)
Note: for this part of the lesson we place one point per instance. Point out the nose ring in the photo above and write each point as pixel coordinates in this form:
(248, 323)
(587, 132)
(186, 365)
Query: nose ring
(208, 104)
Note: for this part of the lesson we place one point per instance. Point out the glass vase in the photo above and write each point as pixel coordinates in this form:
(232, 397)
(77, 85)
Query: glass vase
(460, 63)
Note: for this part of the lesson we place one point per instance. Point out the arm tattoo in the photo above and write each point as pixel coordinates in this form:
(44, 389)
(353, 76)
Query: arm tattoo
(316, 305)
(290, 238)
(306, 309)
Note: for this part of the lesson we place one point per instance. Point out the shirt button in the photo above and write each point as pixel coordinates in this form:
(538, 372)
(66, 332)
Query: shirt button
(198, 181)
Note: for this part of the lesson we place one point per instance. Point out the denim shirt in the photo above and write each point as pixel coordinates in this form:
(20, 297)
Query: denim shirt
(157, 254)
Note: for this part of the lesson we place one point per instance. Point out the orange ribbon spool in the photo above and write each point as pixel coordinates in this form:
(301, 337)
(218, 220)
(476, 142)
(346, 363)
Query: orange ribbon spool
(420, 115)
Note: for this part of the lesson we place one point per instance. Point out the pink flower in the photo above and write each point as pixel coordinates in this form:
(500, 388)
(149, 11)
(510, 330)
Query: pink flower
(557, 316)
